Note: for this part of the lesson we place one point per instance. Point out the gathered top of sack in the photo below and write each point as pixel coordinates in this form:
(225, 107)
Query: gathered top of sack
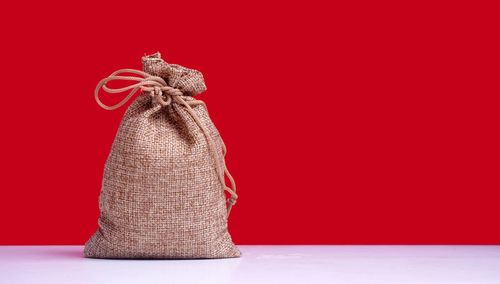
(189, 81)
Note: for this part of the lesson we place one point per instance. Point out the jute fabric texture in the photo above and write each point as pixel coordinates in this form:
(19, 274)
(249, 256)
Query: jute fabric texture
(163, 189)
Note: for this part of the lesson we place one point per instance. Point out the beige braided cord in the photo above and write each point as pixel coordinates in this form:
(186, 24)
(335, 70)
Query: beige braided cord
(157, 87)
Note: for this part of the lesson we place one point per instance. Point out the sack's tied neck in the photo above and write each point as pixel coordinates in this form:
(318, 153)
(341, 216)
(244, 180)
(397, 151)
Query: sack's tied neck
(164, 95)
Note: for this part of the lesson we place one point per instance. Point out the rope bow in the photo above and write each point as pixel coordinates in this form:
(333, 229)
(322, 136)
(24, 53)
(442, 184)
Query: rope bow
(164, 94)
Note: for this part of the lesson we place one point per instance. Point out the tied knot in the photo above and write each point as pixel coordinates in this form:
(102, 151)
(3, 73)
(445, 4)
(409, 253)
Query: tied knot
(156, 91)
(163, 95)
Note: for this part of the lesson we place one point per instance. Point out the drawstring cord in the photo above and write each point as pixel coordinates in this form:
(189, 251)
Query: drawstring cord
(158, 89)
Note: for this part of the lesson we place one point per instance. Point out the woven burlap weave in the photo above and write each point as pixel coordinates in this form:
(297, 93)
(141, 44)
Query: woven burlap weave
(162, 195)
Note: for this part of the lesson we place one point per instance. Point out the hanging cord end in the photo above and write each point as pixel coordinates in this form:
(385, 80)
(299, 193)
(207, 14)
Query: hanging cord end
(230, 202)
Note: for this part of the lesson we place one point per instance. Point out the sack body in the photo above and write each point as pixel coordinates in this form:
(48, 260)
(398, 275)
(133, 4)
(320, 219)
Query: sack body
(162, 196)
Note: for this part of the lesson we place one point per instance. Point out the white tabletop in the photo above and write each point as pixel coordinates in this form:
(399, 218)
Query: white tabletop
(260, 265)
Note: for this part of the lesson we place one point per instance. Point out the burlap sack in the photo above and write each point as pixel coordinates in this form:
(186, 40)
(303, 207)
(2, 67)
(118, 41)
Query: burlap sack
(163, 187)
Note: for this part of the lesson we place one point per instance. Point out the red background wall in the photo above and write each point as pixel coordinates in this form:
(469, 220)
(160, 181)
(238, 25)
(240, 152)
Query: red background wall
(351, 122)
